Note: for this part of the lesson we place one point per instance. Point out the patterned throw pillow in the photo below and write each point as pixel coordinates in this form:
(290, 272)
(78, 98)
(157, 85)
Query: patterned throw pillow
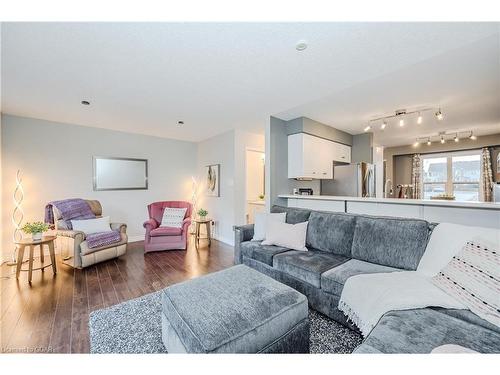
(173, 217)
(473, 278)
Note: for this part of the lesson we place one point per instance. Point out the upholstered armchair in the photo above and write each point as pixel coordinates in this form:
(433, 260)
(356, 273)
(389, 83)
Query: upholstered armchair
(73, 246)
(166, 238)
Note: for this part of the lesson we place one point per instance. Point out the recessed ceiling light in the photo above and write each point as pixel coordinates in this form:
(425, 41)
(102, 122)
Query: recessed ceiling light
(301, 45)
(85, 102)
(180, 122)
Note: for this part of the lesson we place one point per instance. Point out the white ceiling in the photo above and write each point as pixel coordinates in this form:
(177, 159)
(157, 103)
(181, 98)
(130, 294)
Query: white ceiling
(143, 78)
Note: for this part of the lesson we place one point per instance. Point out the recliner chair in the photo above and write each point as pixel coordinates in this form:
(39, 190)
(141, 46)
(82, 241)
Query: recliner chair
(74, 249)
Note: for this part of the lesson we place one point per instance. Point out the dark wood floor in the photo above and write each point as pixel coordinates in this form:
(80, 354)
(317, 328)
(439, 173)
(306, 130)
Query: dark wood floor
(52, 314)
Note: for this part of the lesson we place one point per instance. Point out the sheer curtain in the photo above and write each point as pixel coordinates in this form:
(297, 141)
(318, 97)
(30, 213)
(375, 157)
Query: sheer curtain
(486, 176)
(416, 176)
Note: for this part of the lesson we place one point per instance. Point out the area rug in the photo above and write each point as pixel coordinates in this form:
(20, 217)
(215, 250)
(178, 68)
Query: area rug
(135, 327)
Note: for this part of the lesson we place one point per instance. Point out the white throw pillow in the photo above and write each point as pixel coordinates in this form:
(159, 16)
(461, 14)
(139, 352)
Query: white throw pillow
(261, 220)
(173, 217)
(447, 240)
(292, 236)
(90, 226)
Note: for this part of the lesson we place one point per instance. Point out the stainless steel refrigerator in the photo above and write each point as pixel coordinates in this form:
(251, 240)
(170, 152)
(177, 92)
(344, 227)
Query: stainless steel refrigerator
(352, 180)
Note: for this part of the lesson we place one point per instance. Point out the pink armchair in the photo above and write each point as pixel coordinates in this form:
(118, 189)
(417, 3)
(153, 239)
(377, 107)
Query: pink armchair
(166, 238)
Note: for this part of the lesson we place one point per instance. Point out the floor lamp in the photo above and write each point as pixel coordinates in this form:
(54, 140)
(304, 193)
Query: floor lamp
(17, 215)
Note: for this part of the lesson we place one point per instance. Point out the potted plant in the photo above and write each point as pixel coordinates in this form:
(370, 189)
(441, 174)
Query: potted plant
(202, 213)
(36, 229)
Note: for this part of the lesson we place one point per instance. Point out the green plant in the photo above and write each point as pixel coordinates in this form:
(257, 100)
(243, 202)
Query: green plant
(202, 212)
(36, 227)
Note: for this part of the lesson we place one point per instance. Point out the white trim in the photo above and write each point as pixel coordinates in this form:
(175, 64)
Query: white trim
(136, 238)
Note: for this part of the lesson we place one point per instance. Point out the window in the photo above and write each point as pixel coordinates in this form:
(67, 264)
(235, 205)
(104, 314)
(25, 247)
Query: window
(455, 173)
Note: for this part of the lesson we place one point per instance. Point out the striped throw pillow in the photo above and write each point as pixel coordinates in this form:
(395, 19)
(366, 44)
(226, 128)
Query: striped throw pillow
(173, 217)
(473, 278)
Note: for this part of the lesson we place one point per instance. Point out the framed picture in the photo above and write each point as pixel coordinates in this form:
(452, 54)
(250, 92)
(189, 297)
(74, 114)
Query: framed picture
(213, 180)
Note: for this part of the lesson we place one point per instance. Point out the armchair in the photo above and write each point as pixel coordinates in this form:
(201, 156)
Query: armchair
(73, 246)
(165, 238)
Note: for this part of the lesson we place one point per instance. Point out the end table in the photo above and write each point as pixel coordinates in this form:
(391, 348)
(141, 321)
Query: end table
(198, 223)
(28, 242)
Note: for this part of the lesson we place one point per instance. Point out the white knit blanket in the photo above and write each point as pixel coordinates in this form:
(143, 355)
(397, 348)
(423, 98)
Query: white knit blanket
(366, 298)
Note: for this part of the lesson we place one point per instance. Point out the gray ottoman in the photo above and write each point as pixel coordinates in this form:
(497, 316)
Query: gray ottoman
(237, 310)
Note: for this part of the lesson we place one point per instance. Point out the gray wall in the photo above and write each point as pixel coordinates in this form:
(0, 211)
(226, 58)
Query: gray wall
(362, 148)
(56, 162)
(306, 125)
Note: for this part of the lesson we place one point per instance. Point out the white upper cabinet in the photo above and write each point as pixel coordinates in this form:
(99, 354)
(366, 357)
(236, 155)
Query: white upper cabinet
(313, 157)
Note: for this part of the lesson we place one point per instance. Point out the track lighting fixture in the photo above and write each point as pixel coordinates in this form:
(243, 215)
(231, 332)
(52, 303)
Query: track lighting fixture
(401, 114)
(442, 137)
(439, 115)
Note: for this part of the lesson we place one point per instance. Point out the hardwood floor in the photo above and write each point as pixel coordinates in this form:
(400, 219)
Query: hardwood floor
(52, 314)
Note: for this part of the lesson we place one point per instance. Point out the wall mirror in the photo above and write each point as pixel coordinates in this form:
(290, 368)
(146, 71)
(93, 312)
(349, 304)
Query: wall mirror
(112, 173)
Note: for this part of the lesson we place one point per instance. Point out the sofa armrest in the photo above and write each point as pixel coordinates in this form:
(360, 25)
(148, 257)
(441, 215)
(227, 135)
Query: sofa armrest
(242, 233)
(74, 234)
(120, 227)
(150, 224)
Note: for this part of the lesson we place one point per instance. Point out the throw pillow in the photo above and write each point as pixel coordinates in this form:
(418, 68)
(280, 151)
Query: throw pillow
(173, 217)
(473, 278)
(292, 236)
(90, 226)
(261, 220)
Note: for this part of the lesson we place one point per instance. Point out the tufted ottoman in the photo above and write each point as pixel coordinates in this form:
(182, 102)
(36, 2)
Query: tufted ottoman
(237, 310)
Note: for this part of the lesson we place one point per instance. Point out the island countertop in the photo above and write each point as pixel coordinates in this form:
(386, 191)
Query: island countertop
(418, 202)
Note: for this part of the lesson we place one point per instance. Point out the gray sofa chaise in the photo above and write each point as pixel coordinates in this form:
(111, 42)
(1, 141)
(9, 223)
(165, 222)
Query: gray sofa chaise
(343, 245)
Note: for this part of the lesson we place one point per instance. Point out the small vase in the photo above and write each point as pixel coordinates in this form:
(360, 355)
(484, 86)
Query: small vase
(37, 236)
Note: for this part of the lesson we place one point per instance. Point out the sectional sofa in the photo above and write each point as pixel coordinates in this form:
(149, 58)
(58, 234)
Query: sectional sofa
(343, 245)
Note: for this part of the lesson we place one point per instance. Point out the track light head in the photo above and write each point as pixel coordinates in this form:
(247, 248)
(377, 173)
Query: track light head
(429, 142)
(401, 122)
(456, 138)
(439, 115)
(442, 140)
(384, 124)
(472, 137)
(368, 128)
(419, 118)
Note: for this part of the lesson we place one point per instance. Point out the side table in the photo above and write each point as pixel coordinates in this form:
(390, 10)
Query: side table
(28, 242)
(198, 223)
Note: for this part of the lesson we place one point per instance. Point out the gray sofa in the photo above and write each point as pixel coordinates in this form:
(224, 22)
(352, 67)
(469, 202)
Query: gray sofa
(343, 245)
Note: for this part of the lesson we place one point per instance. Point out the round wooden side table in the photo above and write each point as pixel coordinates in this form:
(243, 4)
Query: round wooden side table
(28, 242)
(198, 223)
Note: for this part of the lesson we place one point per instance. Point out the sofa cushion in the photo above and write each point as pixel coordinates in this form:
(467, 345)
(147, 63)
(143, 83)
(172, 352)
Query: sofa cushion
(332, 232)
(307, 265)
(165, 231)
(422, 330)
(393, 242)
(293, 215)
(261, 253)
(332, 281)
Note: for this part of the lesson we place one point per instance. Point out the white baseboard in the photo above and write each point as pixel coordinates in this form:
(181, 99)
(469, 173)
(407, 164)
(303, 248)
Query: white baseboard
(136, 238)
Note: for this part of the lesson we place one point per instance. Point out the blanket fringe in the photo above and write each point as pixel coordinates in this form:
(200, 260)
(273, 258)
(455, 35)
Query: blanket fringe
(354, 318)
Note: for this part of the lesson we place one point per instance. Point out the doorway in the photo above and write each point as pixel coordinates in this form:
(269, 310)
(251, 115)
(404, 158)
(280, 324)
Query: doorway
(255, 184)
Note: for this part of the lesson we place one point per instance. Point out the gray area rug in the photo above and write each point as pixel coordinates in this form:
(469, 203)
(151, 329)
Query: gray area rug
(135, 327)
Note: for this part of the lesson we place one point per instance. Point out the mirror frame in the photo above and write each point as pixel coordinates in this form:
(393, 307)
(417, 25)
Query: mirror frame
(94, 175)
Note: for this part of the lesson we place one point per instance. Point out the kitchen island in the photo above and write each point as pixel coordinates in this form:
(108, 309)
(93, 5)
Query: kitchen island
(482, 214)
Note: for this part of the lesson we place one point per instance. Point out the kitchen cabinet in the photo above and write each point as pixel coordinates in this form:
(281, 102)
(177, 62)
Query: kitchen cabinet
(313, 157)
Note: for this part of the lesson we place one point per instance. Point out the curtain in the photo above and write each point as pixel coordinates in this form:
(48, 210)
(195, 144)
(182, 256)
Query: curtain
(486, 176)
(416, 177)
